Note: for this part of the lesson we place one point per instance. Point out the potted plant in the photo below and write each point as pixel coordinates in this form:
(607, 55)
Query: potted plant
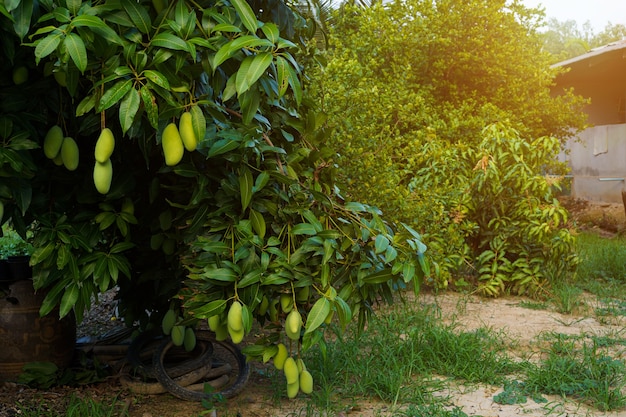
(14, 257)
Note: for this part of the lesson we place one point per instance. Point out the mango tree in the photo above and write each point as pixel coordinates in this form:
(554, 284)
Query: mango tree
(171, 149)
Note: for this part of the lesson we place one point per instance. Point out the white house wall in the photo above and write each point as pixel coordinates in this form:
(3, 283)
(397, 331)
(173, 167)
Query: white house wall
(597, 158)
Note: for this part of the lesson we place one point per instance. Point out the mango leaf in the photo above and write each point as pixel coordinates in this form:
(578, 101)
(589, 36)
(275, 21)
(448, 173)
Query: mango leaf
(271, 32)
(303, 229)
(21, 17)
(246, 14)
(379, 277)
(381, 244)
(76, 48)
(221, 274)
(48, 45)
(86, 105)
(282, 75)
(70, 296)
(317, 315)
(114, 94)
(294, 82)
(245, 187)
(98, 26)
(128, 109)
(138, 14)
(258, 223)
(343, 311)
(249, 103)
(199, 122)
(73, 5)
(170, 41)
(257, 67)
(222, 146)
(150, 105)
(210, 309)
(231, 47)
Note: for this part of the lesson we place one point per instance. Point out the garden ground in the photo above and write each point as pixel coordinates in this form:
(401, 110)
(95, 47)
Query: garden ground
(522, 322)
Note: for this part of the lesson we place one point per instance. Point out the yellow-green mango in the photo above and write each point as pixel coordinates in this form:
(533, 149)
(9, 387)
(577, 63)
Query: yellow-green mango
(293, 324)
(53, 141)
(102, 176)
(235, 319)
(263, 306)
(221, 333)
(189, 342)
(178, 335)
(104, 145)
(172, 143)
(291, 370)
(286, 302)
(292, 390)
(169, 319)
(185, 127)
(214, 322)
(70, 153)
(235, 335)
(280, 357)
(306, 382)
(20, 75)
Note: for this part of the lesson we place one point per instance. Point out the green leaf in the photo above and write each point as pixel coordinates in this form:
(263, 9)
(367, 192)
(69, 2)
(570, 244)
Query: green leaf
(317, 315)
(70, 296)
(199, 122)
(76, 48)
(271, 32)
(222, 146)
(246, 14)
(22, 15)
(221, 274)
(303, 229)
(73, 5)
(252, 68)
(86, 105)
(249, 103)
(170, 41)
(150, 105)
(128, 109)
(282, 75)
(98, 26)
(231, 47)
(114, 94)
(245, 187)
(48, 45)
(381, 244)
(258, 223)
(210, 309)
(379, 277)
(138, 14)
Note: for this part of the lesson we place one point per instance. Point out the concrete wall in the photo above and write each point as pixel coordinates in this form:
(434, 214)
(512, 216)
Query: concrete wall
(597, 158)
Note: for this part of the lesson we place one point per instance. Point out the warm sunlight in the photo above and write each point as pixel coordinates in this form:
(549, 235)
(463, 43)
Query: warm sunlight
(599, 13)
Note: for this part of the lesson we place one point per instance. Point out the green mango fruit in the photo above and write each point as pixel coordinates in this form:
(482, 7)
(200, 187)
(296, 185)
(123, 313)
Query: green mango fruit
(102, 176)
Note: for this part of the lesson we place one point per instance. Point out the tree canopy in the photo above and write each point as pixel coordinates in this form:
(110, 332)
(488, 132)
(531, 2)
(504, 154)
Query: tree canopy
(409, 89)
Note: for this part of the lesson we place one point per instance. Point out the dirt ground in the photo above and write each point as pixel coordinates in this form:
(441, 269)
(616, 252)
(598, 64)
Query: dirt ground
(521, 325)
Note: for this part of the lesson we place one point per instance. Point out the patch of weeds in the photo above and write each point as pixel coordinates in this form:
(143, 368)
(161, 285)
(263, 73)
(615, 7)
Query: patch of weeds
(607, 341)
(583, 373)
(432, 410)
(611, 307)
(533, 305)
(602, 269)
(515, 392)
(567, 297)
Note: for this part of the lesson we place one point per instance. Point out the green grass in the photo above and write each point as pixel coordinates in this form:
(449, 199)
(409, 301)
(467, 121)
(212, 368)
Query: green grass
(74, 406)
(602, 268)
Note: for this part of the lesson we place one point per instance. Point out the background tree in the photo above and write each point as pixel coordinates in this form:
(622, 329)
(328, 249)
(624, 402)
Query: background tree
(564, 40)
(409, 89)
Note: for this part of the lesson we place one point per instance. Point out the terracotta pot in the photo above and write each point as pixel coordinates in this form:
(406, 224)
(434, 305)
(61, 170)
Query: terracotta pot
(26, 337)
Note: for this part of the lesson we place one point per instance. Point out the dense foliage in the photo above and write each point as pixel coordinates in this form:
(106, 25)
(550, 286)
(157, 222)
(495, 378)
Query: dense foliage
(409, 89)
(249, 218)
